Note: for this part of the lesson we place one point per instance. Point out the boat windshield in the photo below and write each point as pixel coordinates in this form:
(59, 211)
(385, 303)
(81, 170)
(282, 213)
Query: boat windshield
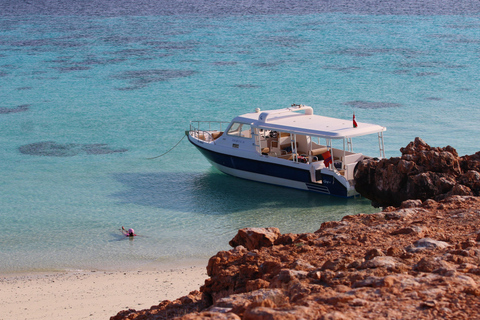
(240, 130)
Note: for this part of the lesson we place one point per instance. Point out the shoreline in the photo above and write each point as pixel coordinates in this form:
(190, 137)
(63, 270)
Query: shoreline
(417, 261)
(95, 294)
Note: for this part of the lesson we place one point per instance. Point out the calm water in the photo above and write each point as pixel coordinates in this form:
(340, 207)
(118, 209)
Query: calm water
(90, 91)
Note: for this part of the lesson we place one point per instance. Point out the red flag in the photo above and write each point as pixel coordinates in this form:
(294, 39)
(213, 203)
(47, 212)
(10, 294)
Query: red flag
(327, 158)
(354, 122)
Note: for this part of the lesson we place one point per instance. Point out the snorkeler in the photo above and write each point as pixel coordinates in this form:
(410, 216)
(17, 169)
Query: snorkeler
(129, 233)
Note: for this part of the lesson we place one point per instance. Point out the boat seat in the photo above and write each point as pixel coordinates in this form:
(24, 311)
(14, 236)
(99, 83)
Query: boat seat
(208, 136)
(216, 135)
(318, 151)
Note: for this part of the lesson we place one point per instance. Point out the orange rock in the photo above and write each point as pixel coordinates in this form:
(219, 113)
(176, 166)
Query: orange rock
(255, 238)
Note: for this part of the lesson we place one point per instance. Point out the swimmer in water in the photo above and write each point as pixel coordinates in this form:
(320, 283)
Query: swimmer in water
(129, 233)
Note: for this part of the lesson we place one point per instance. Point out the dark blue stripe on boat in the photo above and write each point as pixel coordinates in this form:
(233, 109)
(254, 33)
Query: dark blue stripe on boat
(249, 165)
(330, 185)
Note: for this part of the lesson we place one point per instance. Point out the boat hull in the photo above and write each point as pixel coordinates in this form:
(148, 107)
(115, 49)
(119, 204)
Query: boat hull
(274, 173)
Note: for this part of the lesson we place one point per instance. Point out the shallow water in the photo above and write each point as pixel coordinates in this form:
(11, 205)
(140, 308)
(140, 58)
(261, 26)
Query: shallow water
(87, 98)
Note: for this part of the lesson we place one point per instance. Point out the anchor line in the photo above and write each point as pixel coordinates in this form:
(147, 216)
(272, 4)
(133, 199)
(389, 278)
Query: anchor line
(168, 150)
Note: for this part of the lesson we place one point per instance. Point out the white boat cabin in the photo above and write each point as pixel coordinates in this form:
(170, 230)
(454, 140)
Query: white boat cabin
(296, 135)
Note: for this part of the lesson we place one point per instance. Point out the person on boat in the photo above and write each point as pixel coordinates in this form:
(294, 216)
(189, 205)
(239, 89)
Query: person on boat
(129, 233)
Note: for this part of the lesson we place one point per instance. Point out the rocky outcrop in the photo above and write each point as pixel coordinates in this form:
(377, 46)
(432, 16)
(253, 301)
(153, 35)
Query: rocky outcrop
(419, 261)
(252, 238)
(422, 172)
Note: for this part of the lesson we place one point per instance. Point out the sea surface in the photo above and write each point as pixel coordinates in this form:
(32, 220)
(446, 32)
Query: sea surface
(92, 92)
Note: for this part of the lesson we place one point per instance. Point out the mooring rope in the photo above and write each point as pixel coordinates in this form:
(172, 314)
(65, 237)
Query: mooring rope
(168, 150)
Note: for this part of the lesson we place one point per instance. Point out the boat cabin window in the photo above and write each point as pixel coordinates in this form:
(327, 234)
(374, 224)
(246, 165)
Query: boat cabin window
(240, 130)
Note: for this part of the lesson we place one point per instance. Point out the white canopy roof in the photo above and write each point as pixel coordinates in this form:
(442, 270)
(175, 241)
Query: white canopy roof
(293, 121)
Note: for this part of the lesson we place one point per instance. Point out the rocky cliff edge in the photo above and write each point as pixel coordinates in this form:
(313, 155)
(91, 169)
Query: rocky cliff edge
(417, 261)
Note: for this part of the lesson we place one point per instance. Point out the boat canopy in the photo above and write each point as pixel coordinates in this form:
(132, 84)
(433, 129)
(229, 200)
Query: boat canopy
(306, 123)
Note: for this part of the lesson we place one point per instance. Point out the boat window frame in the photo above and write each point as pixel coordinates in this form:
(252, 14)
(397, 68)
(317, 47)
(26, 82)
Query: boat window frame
(239, 131)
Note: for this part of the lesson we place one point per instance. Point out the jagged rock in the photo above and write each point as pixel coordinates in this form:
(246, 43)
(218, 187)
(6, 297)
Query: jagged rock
(427, 244)
(411, 203)
(371, 282)
(416, 230)
(265, 313)
(255, 238)
(303, 265)
(239, 303)
(286, 239)
(431, 264)
(382, 262)
(256, 284)
(335, 315)
(288, 275)
(373, 253)
(211, 315)
(421, 173)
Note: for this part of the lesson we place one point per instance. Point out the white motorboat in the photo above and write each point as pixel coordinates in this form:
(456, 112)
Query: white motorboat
(288, 147)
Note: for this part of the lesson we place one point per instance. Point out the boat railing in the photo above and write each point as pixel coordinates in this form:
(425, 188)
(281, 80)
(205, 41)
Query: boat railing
(207, 130)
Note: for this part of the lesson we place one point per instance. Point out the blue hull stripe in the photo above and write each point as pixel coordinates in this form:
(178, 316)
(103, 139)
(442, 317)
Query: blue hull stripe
(330, 185)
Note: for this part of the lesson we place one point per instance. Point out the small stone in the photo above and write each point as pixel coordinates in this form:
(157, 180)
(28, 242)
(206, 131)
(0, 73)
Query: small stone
(411, 203)
(416, 230)
(428, 304)
(427, 244)
(372, 253)
(381, 262)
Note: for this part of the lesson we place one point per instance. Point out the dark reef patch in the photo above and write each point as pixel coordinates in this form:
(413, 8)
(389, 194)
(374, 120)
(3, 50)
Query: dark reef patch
(133, 52)
(427, 74)
(247, 86)
(224, 63)
(53, 149)
(371, 105)
(72, 68)
(464, 41)
(172, 45)
(21, 108)
(368, 52)
(268, 64)
(285, 41)
(141, 78)
(341, 69)
(65, 64)
(431, 64)
(37, 43)
(403, 71)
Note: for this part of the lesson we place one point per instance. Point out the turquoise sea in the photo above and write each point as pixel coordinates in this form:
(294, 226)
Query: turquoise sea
(89, 92)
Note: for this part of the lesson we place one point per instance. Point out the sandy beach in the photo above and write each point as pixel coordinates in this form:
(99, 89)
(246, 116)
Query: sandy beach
(92, 294)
